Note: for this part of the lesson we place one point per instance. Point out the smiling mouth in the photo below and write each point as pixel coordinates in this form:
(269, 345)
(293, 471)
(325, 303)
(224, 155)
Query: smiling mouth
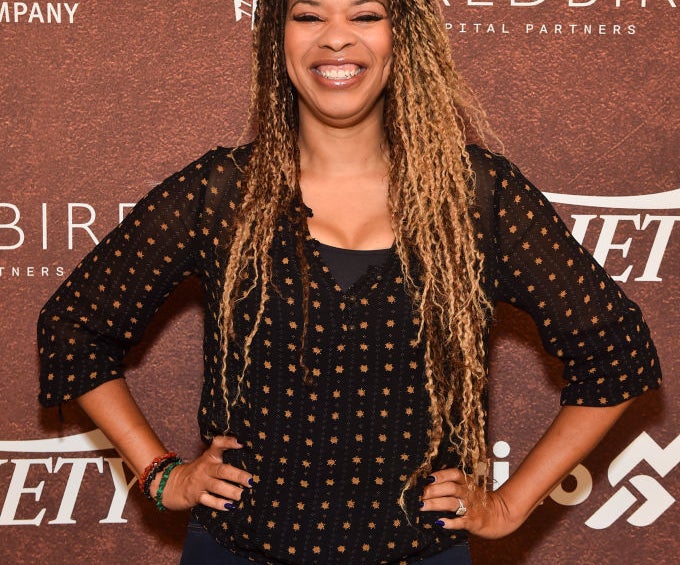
(335, 72)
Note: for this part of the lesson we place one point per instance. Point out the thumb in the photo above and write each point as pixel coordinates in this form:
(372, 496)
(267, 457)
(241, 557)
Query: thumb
(220, 443)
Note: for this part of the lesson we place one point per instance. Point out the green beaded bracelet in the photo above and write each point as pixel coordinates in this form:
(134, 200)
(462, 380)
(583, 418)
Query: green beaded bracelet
(161, 486)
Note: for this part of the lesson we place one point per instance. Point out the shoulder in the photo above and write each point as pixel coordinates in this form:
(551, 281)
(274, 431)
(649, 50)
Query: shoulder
(499, 182)
(220, 160)
(206, 188)
(487, 165)
(213, 176)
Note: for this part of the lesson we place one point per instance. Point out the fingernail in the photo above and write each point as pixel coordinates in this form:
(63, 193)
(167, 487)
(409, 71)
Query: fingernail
(250, 482)
(431, 478)
(439, 523)
(421, 504)
(229, 505)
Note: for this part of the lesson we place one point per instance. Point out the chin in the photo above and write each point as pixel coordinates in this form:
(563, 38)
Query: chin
(347, 115)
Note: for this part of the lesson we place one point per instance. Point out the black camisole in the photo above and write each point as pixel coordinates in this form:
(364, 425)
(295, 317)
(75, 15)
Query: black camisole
(348, 265)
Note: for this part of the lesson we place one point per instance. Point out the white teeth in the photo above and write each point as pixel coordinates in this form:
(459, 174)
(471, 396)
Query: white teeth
(338, 73)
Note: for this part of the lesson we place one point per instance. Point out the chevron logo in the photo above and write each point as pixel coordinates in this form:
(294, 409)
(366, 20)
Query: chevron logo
(656, 499)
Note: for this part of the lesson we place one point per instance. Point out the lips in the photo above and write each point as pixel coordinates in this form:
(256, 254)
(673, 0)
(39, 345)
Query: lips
(342, 71)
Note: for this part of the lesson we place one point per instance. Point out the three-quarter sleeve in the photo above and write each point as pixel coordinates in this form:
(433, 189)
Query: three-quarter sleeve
(103, 307)
(583, 317)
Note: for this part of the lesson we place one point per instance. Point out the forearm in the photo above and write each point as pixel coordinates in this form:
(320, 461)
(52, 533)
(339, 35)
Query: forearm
(115, 412)
(573, 434)
(205, 480)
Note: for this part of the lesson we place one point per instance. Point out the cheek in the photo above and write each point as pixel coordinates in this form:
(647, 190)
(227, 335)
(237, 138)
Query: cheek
(384, 46)
(388, 56)
(288, 47)
(289, 58)
(293, 51)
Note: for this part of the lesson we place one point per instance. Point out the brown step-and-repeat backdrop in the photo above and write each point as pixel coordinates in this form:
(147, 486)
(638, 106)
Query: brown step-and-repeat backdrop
(101, 99)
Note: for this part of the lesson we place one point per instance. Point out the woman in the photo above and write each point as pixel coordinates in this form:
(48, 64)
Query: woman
(351, 256)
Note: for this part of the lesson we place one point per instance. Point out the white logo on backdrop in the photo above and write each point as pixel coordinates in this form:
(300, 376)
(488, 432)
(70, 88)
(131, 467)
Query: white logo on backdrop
(37, 12)
(245, 10)
(89, 441)
(20, 491)
(668, 200)
(611, 223)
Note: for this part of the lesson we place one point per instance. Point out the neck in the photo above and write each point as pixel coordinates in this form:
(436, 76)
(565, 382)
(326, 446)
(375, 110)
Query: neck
(335, 151)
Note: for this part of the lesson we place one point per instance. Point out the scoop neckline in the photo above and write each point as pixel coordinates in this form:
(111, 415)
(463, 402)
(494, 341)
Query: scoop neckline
(352, 251)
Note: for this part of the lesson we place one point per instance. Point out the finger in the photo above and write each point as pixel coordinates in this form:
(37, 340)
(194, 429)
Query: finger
(210, 500)
(233, 474)
(450, 523)
(224, 489)
(448, 488)
(453, 474)
(443, 504)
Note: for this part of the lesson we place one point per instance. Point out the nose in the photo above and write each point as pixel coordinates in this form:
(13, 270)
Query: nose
(337, 36)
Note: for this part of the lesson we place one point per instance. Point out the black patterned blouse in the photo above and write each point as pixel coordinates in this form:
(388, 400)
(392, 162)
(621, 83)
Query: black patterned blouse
(329, 460)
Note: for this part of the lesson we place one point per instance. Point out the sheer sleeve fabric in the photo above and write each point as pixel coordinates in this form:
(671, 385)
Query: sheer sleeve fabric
(583, 317)
(104, 306)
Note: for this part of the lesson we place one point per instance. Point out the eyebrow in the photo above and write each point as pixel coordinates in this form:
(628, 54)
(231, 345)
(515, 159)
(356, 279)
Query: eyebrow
(317, 3)
(296, 2)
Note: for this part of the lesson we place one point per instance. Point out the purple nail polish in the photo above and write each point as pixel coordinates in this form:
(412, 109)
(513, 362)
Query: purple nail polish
(431, 479)
(250, 482)
(229, 505)
(421, 504)
(439, 523)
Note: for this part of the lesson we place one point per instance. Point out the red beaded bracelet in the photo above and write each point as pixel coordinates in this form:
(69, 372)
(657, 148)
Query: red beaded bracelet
(158, 464)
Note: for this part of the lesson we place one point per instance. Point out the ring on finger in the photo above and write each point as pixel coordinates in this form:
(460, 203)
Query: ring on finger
(461, 510)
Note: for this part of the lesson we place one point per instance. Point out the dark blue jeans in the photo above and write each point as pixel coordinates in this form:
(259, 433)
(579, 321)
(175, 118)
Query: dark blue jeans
(201, 549)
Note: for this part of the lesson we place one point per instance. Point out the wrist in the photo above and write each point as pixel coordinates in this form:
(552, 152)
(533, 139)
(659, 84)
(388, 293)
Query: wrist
(153, 487)
(163, 482)
(150, 479)
(517, 504)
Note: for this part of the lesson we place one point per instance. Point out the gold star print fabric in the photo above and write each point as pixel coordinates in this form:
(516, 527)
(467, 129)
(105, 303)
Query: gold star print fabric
(329, 459)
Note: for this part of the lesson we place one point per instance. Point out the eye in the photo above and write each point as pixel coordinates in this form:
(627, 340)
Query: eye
(369, 18)
(306, 18)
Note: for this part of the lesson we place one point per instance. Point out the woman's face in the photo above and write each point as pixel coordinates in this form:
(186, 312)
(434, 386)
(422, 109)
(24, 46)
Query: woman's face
(338, 56)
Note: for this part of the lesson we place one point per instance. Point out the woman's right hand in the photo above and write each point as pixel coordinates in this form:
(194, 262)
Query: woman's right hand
(206, 480)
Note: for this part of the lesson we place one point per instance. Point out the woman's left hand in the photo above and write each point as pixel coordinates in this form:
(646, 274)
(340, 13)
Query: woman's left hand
(485, 515)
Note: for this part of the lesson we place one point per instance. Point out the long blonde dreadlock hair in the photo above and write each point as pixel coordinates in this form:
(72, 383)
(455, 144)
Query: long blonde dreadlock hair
(430, 116)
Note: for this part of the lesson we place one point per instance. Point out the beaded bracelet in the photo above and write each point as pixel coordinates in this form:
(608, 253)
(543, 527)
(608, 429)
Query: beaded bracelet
(149, 474)
(154, 472)
(164, 480)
